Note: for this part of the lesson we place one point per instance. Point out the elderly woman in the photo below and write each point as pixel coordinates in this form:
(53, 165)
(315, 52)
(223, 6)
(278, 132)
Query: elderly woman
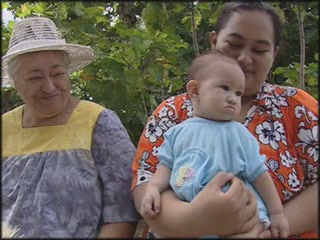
(66, 163)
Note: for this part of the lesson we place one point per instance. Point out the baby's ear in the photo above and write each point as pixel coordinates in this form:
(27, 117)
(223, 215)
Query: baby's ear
(193, 90)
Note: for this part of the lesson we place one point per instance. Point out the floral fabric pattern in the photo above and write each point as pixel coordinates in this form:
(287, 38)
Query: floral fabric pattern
(283, 119)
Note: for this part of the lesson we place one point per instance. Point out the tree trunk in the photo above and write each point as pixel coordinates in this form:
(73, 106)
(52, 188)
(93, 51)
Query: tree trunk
(302, 44)
(194, 31)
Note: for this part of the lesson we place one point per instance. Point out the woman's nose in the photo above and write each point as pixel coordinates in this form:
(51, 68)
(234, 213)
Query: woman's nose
(245, 57)
(48, 85)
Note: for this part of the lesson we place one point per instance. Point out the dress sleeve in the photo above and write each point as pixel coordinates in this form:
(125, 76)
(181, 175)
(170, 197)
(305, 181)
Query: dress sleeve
(306, 131)
(113, 152)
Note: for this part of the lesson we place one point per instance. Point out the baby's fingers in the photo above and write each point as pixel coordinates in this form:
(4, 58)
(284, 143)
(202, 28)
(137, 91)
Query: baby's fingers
(284, 234)
(274, 232)
(147, 212)
(150, 214)
(146, 205)
(156, 204)
(284, 231)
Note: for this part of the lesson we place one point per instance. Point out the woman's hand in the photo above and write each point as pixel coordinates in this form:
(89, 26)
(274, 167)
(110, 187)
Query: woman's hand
(219, 213)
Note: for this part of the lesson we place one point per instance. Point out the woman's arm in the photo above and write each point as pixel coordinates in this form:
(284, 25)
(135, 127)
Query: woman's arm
(118, 230)
(112, 151)
(212, 212)
(302, 212)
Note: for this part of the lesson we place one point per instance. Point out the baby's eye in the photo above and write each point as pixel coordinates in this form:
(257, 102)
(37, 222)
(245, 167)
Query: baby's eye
(224, 87)
(239, 94)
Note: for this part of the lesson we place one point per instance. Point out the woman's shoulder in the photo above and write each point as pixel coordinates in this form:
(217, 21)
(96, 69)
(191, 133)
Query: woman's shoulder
(90, 106)
(12, 113)
(178, 107)
(178, 99)
(85, 114)
(12, 118)
(87, 109)
(293, 95)
(293, 92)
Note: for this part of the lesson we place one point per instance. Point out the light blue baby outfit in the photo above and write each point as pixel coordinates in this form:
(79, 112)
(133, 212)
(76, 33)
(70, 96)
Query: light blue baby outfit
(197, 149)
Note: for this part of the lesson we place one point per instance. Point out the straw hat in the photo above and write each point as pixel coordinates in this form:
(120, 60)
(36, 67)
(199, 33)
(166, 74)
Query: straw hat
(39, 34)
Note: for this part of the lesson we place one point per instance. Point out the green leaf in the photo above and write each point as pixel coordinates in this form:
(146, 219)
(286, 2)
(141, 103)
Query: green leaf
(4, 5)
(179, 7)
(25, 10)
(78, 9)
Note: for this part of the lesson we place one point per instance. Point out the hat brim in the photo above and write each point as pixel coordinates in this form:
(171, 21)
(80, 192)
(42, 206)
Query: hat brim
(79, 56)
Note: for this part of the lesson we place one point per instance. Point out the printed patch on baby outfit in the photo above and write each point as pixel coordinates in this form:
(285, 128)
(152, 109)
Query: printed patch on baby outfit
(185, 174)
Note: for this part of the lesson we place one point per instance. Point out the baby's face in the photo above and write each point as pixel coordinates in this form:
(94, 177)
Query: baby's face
(220, 93)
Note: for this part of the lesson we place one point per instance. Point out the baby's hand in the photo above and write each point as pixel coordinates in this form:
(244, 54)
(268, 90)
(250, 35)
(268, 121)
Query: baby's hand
(279, 226)
(150, 206)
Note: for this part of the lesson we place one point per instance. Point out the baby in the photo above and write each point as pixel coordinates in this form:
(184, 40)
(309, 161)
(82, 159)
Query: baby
(194, 151)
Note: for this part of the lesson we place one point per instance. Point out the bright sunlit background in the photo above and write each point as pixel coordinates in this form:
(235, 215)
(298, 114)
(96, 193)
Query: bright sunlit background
(6, 16)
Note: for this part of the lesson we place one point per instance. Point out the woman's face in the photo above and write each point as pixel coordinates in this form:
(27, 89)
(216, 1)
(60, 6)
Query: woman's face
(248, 37)
(42, 81)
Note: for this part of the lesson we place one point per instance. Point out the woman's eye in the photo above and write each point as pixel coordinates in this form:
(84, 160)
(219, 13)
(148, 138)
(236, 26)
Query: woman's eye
(34, 79)
(233, 45)
(260, 51)
(58, 74)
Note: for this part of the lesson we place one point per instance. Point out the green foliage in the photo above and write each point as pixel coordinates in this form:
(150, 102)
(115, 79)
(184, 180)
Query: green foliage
(289, 75)
(143, 49)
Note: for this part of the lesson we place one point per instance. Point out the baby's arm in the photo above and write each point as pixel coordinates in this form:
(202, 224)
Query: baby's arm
(150, 206)
(265, 187)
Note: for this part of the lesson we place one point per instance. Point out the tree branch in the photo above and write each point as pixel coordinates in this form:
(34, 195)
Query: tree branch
(302, 44)
(194, 31)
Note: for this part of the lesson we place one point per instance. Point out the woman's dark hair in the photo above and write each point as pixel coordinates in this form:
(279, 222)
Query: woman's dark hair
(230, 7)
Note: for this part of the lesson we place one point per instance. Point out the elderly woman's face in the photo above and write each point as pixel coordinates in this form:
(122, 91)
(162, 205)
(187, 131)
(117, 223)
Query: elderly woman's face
(248, 37)
(42, 80)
